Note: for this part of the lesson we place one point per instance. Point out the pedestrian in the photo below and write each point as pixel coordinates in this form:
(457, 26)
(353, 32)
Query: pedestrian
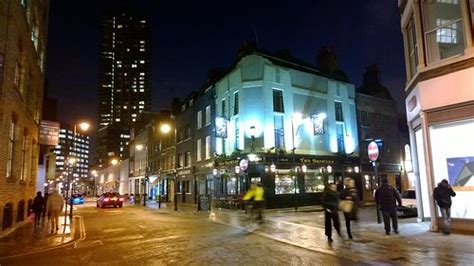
(256, 194)
(349, 196)
(442, 194)
(54, 206)
(45, 200)
(331, 207)
(132, 199)
(387, 198)
(37, 207)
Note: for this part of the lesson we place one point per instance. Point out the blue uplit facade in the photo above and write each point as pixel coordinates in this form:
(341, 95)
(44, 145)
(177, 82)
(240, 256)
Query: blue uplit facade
(291, 120)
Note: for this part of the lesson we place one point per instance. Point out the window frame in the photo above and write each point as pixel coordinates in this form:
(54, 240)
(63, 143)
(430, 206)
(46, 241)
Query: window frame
(278, 102)
(11, 149)
(208, 116)
(199, 119)
(198, 150)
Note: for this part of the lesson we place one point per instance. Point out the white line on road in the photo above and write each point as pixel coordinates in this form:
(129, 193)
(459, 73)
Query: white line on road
(113, 230)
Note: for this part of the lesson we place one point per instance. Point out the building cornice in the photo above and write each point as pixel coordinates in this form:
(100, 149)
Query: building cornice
(438, 71)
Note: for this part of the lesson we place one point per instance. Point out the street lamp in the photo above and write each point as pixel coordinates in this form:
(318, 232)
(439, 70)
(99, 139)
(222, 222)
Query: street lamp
(140, 147)
(84, 126)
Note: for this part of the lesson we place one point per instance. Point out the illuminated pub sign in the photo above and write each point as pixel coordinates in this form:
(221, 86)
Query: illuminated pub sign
(221, 127)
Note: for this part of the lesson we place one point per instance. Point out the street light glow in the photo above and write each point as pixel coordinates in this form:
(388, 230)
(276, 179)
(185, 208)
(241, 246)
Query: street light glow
(114, 161)
(72, 160)
(165, 128)
(139, 147)
(84, 126)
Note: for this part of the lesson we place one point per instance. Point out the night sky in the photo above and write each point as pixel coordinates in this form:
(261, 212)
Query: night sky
(189, 37)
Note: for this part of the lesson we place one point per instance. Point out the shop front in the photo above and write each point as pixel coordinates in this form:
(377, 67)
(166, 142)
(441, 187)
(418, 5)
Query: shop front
(441, 134)
(288, 181)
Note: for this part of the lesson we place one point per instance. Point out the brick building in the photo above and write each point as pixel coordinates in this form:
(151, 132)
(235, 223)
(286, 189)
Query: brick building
(23, 31)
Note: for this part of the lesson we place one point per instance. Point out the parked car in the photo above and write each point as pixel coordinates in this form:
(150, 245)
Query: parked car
(110, 199)
(409, 207)
(76, 199)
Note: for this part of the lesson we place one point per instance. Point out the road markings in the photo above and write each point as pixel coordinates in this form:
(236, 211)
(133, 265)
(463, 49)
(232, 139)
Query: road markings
(113, 230)
(71, 243)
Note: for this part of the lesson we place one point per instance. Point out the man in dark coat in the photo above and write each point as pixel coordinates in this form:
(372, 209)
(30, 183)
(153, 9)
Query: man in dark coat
(37, 207)
(331, 207)
(387, 197)
(442, 194)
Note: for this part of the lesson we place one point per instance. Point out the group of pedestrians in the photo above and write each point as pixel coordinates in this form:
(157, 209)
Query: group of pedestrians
(347, 200)
(50, 204)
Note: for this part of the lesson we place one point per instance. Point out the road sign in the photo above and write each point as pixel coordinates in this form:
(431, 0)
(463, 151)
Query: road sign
(373, 151)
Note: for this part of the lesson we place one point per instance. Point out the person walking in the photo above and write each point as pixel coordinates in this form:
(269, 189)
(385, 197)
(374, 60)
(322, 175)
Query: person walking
(37, 207)
(442, 194)
(331, 208)
(349, 196)
(54, 206)
(45, 200)
(387, 197)
(256, 194)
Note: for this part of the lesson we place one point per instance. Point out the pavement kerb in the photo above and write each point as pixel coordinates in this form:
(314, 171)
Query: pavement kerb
(281, 240)
(82, 236)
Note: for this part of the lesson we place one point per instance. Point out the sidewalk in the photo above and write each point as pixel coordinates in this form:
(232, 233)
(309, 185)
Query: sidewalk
(26, 240)
(415, 244)
(305, 228)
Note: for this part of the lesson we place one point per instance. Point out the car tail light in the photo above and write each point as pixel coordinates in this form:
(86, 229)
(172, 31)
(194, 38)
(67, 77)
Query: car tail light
(121, 199)
(106, 199)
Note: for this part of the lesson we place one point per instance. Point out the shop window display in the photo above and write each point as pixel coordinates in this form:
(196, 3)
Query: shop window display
(285, 184)
(453, 159)
(313, 183)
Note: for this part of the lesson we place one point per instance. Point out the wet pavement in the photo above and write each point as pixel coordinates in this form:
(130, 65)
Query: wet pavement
(134, 235)
(29, 239)
(152, 236)
(414, 245)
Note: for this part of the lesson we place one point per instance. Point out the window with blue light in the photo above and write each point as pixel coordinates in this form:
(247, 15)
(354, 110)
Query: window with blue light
(237, 135)
(340, 137)
(279, 132)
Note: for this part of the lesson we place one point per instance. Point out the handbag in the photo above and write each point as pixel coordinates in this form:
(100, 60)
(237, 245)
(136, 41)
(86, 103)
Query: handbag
(346, 206)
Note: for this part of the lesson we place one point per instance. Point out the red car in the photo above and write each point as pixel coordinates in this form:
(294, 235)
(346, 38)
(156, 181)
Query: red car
(110, 199)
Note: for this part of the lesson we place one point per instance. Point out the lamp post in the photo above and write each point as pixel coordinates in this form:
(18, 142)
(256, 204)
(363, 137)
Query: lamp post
(84, 126)
(175, 190)
(139, 147)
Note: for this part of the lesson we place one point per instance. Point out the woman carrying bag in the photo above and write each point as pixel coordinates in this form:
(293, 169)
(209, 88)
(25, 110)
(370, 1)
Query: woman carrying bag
(349, 203)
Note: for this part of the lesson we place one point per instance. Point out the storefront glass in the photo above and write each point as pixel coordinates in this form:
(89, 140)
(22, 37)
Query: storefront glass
(452, 147)
(313, 182)
(425, 198)
(285, 184)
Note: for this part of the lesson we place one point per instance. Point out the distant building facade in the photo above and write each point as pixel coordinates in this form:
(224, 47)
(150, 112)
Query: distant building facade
(23, 42)
(439, 59)
(378, 121)
(72, 146)
(125, 80)
(267, 119)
